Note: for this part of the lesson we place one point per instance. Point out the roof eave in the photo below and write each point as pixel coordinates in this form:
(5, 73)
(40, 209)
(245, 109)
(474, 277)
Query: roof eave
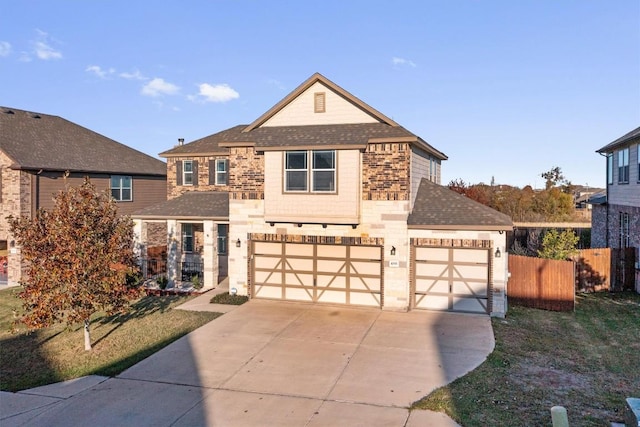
(168, 155)
(181, 217)
(460, 227)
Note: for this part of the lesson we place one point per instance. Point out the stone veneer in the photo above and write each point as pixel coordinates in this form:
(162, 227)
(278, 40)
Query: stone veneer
(174, 190)
(246, 174)
(385, 172)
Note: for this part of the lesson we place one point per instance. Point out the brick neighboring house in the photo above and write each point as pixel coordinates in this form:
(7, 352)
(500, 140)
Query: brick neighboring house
(326, 200)
(616, 217)
(41, 154)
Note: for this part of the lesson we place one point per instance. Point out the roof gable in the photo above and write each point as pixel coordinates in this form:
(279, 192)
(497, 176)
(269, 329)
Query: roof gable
(625, 139)
(297, 107)
(41, 141)
(439, 208)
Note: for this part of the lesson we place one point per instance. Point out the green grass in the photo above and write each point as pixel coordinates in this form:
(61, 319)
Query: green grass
(31, 359)
(227, 298)
(587, 361)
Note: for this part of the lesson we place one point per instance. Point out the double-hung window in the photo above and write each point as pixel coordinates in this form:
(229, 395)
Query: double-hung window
(187, 172)
(313, 170)
(121, 189)
(221, 171)
(623, 166)
(609, 168)
(624, 230)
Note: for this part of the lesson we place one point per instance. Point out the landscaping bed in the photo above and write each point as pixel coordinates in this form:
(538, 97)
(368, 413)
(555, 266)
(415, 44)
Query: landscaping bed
(31, 359)
(587, 361)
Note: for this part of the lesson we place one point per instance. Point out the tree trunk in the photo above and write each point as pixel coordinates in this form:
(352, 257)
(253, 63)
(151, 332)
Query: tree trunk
(87, 336)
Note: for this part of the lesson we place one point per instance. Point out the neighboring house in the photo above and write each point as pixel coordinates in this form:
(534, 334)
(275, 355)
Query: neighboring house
(42, 154)
(324, 199)
(616, 219)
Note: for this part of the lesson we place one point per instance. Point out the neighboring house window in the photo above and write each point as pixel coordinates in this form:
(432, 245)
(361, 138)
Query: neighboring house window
(623, 165)
(187, 172)
(187, 237)
(433, 171)
(222, 239)
(221, 171)
(609, 168)
(624, 230)
(121, 189)
(320, 177)
(637, 155)
(319, 104)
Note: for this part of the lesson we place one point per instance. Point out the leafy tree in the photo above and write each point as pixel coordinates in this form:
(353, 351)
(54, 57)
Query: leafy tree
(556, 245)
(79, 260)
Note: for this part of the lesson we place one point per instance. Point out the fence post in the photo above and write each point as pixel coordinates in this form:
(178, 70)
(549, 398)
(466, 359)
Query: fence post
(559, 417)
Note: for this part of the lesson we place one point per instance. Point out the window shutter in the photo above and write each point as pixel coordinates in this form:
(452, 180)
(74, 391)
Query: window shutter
(178, 172)
(212, 172)
(195, 173)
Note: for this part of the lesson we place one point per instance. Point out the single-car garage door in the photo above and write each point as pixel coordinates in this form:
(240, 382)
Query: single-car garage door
(324, 273)
(451, 279)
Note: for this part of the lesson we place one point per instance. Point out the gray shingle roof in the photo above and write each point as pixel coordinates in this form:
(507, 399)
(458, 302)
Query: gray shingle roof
(41, 141)
(296, 136)
(623, 140)
(190, 205)
(437, 207)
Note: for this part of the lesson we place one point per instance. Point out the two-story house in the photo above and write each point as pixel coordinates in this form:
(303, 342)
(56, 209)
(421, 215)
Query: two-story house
(42, 154)
(324, 199)
(616, 218)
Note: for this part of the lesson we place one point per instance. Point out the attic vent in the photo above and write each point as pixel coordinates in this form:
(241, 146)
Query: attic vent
(319, 105)
(9, 112)
(36, 116)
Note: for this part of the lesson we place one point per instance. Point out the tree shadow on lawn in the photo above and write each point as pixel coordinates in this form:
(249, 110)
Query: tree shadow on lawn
(141, 308)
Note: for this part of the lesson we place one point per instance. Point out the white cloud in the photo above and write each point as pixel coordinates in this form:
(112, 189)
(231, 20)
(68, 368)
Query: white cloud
(402, 62)
(214, 93)
(136, 75)
(158, 87)
(103, 74)
(43, 49)
(5, 48)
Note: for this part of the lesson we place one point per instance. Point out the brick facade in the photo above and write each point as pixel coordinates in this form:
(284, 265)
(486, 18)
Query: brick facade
(385, 172)
(174, 190)
(246, 174)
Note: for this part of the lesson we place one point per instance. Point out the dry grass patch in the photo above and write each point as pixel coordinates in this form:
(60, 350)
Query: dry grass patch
(31, 359)
(586, 361)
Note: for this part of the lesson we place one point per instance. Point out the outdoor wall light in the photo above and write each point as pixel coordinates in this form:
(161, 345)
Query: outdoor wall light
(233, 291)
(498, 253)
(238, 243)
(393, 250)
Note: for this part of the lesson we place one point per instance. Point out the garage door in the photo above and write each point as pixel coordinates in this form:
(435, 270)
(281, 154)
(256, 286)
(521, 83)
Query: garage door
(322, 273)
(451, 279)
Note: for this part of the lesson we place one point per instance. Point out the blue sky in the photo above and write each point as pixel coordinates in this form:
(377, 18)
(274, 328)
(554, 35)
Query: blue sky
(507, 89)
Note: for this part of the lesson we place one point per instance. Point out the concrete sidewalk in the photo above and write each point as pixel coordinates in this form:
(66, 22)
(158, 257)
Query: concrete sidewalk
(276, 363)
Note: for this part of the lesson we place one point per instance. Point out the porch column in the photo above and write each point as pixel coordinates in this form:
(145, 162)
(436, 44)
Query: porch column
(140, 238)
(173, 251)
(210, 254)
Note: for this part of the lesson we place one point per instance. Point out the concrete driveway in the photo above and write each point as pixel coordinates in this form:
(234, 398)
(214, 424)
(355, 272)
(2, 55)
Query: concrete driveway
(276, 363)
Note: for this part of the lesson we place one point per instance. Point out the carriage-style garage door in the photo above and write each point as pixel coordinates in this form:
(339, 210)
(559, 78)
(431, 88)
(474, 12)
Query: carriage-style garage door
(324, 273)
(451, 279)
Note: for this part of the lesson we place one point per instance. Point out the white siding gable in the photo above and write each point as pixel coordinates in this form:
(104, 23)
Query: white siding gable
(300, 111)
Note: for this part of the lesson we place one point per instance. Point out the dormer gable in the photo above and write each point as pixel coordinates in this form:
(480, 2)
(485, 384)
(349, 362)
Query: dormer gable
(319, 101)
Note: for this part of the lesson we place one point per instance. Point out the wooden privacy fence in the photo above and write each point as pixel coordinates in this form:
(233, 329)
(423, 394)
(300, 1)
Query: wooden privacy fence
(541, 283)
(551, 285)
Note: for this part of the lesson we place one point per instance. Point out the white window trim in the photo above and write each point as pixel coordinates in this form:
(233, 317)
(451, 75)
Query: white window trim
(225, 173)
(185, 172)
(309, 170)
(121, 187)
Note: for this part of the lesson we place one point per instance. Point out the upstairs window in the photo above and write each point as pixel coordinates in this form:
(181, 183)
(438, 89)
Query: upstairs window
(221, 171)
(187, 172)
(319, 102)
(315, 170)
(609, 168)
(121, 189)
(623, 166)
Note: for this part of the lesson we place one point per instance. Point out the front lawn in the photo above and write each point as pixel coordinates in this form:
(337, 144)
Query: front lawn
(587, 361)
(57, 353)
